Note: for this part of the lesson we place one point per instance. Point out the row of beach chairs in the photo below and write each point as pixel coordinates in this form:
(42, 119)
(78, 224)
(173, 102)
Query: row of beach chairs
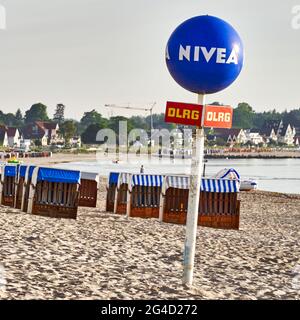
(166, 198)
(47, 191)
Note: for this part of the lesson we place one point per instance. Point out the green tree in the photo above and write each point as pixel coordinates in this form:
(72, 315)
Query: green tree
(261, 117)
(19, 116)
(91, 117)
(292, 117)
(37, 112)
(139, 122)
(243, 116)
(159, 122)
(59, 115)
(113, 123)
(68, 130)
(10, 119)
(90, 133)
(19, 121)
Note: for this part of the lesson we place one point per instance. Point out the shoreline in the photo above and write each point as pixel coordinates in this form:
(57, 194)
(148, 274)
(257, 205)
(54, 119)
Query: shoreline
(69, 157)
(62, 158)
(256, 155)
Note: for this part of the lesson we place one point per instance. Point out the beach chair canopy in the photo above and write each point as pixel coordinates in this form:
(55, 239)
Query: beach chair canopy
(207, 185)
(90, 176)
(147, 180)
(10, 171)
(58, 175)
(113, 177)
(124, 178)
(227, 174)
(31, 168)
(22, 171)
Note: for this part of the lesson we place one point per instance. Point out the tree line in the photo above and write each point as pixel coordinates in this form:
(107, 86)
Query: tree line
(245, 117)
(92, 121)
(87, 127)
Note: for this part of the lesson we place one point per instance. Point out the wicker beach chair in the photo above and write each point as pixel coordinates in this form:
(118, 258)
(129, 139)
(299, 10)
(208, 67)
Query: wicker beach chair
(88, 191)
(219, 206)
(54, 193)
(9, 174)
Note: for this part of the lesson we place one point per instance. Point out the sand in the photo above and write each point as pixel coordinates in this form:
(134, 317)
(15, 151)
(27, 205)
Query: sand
(106, 256)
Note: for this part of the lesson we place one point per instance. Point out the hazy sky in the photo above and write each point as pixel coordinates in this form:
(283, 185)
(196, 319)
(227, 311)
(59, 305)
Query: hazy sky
(86, 53)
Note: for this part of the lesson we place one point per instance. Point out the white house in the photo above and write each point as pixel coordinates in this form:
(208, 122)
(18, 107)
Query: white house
(14, 137)
(279, 132)
(231, 136)
(287, 134)
(25, 144)
(75, 141)
(3, 136)
(254, 136)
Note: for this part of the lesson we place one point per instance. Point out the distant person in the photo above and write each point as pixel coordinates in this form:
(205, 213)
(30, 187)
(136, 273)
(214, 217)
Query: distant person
(142, 169)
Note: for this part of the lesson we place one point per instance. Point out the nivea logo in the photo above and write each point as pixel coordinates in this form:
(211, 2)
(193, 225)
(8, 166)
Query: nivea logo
(204, 54)
(199, 53)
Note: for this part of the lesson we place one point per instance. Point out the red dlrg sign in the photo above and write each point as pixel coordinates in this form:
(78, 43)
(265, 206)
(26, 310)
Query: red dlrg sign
(191, 115)
(184, 113)
(218, 117)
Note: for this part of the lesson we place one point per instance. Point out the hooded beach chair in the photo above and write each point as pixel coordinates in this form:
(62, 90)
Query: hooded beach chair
(111, 189)
(145, 192)
(54, 193)
(19, 186)
(219, 206)
(123, 194)
(89, 185)
(26, 187)
(9, 174)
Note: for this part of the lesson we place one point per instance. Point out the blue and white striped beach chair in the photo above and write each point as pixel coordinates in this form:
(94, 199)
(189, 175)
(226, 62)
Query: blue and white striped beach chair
(219, 206)
(145, 192)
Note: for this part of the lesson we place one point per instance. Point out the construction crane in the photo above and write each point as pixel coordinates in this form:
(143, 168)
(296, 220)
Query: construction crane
(150, 110)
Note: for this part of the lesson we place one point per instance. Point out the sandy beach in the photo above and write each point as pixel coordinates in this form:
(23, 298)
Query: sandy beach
(60, 158)
(106, 256)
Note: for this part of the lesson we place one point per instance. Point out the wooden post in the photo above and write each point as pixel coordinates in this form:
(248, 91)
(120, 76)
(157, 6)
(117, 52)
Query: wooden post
(32, 189)
(117, 192)
(16, 187)
(24, 187)
(128, 204)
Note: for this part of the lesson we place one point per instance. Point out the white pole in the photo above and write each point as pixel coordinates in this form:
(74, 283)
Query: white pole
(193, 204)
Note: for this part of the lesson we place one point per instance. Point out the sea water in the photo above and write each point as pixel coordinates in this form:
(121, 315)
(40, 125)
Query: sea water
(278, 175)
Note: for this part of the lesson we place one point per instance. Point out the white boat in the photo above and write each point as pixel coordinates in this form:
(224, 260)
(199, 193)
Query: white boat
(248, 184)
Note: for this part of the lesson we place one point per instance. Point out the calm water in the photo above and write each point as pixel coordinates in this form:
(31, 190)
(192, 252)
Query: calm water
(281, 175)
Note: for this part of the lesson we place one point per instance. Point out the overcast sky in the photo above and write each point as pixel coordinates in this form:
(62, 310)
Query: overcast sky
(86, 53)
